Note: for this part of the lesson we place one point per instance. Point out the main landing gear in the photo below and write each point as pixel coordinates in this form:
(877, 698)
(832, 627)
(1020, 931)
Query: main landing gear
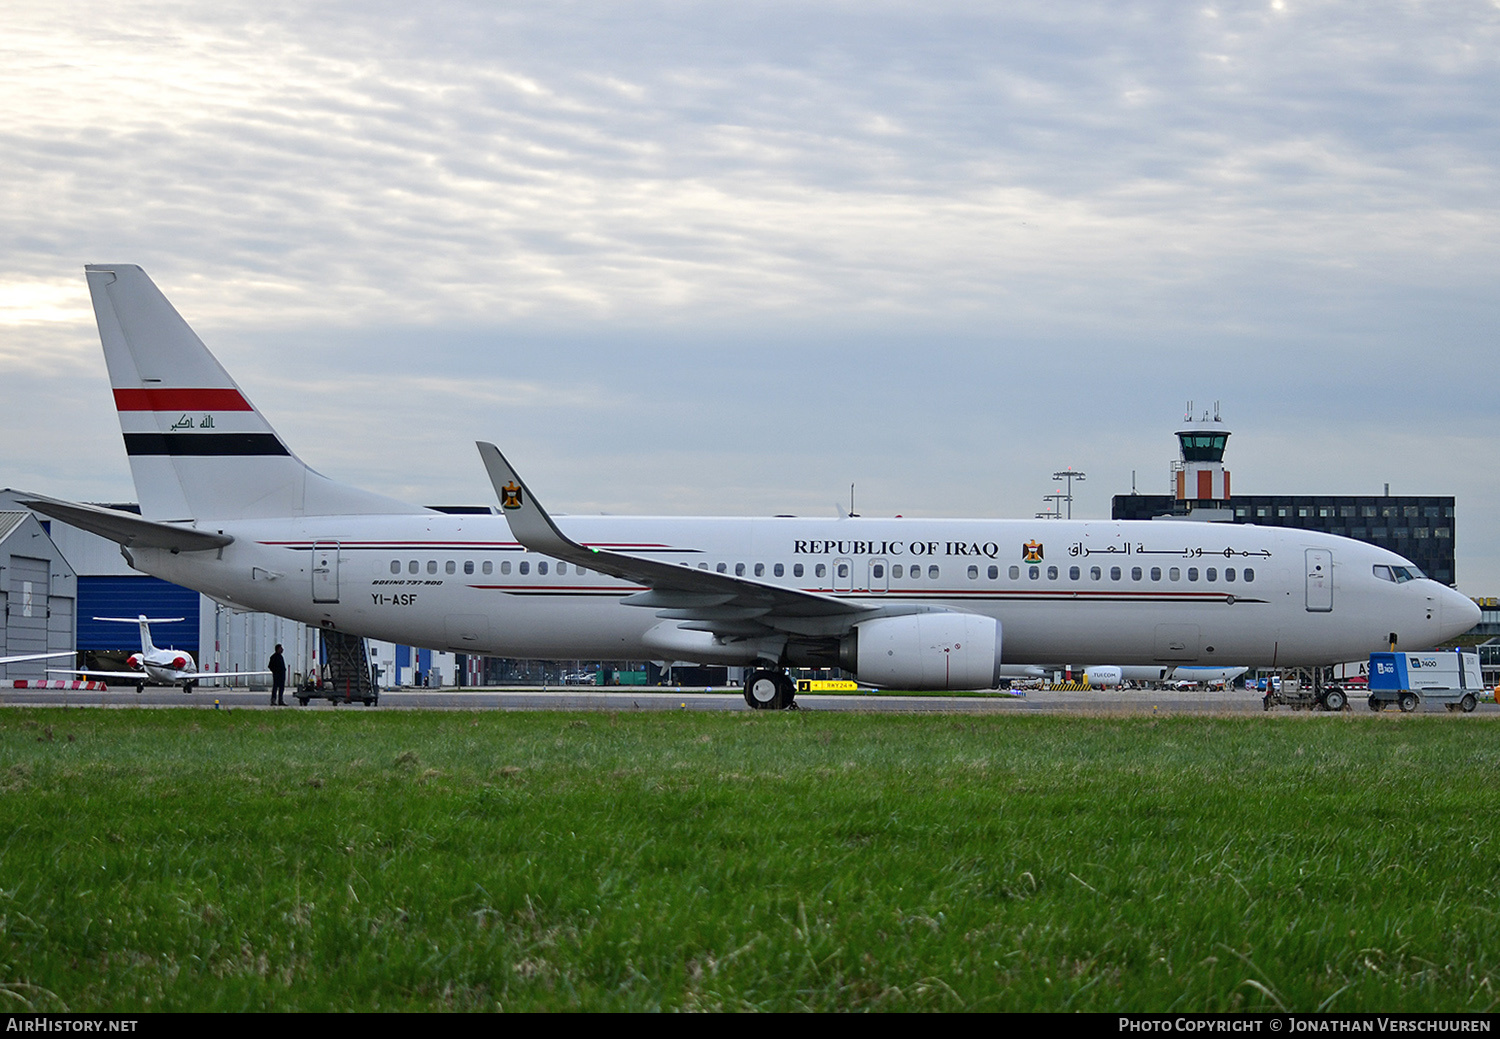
(767, 690)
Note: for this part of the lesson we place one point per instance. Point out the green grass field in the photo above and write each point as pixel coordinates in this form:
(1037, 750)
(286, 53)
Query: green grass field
(374, 860)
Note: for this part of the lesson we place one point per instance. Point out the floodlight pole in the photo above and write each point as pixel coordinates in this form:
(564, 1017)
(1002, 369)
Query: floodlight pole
(1069, 474)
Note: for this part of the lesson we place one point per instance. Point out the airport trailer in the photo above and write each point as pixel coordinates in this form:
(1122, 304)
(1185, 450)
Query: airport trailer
(1303, 697)
(1408, 680)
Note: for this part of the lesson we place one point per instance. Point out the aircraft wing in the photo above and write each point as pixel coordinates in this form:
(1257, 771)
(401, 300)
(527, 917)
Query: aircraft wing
(141, 676)
(127, 528)
(707, 599)
(35, 656)
(134, 676)
(213, 676)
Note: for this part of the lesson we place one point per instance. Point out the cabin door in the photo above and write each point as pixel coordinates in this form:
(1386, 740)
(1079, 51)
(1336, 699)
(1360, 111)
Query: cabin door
(325, 571)
(1319, 580)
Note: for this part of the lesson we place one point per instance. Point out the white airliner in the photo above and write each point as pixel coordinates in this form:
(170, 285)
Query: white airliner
(162, 666)
(932, 604)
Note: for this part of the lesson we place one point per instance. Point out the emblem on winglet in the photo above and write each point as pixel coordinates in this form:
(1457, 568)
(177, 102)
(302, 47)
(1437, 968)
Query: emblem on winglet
(510, 496)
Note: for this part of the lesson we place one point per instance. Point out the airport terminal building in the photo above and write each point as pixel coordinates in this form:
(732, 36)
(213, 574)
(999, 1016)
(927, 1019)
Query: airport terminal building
(1420, 528)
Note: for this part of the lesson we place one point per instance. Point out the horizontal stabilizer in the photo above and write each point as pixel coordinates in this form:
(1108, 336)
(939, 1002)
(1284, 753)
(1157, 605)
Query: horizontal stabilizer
(128, 529)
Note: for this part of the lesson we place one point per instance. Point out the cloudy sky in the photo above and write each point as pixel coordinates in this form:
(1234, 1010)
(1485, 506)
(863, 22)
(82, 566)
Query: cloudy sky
(684, 257)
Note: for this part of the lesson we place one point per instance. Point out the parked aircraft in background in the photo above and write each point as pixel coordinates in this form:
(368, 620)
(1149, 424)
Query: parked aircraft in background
(161, 666)
(227, 509)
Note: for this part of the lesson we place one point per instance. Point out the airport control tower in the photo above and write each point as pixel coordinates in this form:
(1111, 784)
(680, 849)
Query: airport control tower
(1200, 483)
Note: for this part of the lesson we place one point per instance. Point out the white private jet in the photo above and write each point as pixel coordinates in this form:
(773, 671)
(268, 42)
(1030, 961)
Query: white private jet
(152, 663)
(931, 604)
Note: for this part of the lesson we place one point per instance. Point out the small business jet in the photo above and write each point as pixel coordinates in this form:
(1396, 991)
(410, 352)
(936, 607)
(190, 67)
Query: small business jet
(161, 666)
(923, 604)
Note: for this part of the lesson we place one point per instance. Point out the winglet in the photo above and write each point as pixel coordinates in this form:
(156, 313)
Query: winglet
(528, 521)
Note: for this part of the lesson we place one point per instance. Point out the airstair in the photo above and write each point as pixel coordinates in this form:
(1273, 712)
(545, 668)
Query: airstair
(346, 672)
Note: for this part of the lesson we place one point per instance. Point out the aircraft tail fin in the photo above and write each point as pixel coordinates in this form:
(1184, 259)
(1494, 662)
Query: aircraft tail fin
(145, 622)
(198, 448)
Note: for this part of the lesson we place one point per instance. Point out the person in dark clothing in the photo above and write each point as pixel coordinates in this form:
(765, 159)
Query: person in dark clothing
(277, 667)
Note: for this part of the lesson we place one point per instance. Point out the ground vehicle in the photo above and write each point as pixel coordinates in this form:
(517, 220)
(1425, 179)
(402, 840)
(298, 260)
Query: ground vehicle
(1451, 678)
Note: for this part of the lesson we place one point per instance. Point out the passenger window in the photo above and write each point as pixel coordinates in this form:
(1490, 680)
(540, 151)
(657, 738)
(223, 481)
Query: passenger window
(796, 569)
(412, 567)
(843, 570)
(1135, 573)
(525, 568)
(1074, 573)
(468, 566)
(702, 566)
(1156, 573)
(505, 566)
(722, 568)
(1211, 574)
(932, 572)
(1249, 575)
(760, 570)
(821, 570)
(1096, 574)
(1174, 574)
(1114, 573)
(562, 569)
(1229, 573)
(432, 566)
(395, 566)
(739, 570)
(898, 570)
(1192, 573)
(488, 567)
(973, 573)
(541, 568)
(994, 573)
(779, 570)
(877, 571)
(1052, 573)
(451, 567)
(1015, 573)
(1034, 572)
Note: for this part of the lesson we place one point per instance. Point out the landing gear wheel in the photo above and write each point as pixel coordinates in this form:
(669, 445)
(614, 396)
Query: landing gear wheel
(1408, 702)
(767, 690)
(1335, 700)
(1468, 703)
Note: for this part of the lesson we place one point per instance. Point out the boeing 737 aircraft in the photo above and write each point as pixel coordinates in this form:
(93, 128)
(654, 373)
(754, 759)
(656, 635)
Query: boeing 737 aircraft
(227, 509)
(163, 666)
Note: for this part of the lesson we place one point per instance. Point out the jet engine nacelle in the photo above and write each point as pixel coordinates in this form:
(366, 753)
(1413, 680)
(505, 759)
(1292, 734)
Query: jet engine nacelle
(179, 662)
(135, 662)
(1104, 676)
(925, 651)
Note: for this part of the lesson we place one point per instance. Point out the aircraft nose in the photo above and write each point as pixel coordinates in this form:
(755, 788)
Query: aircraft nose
(1459, 613)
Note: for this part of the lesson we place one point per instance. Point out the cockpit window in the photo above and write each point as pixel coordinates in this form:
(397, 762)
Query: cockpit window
(1384, 572)
(1397, 574)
